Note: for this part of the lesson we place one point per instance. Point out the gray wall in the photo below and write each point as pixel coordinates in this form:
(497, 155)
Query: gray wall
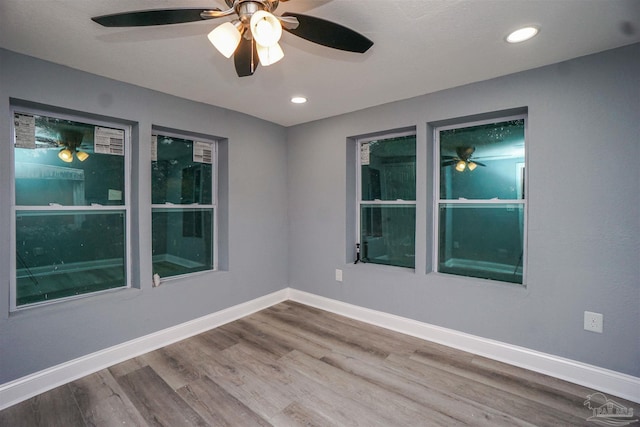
(256, 257)
(584, 212)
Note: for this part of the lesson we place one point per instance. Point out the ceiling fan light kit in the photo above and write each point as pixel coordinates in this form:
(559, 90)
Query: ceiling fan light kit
(265, 28)
(255, 23)
(225, 38)
(269, 54)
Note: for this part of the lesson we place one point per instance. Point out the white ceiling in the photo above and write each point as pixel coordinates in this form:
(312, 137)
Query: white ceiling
(421, 46)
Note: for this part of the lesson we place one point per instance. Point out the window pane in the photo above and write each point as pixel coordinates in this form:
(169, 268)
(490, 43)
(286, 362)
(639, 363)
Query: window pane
(482, 240)
(388, 170)
(388, 234)
(62, 254)
(94, 172)
(182, 174)
(182, 241)
(483, 162)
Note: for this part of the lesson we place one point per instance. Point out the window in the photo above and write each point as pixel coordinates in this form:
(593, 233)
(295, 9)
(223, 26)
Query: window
(387, 199)
(70, 209)
(183, 204)
(481, 204)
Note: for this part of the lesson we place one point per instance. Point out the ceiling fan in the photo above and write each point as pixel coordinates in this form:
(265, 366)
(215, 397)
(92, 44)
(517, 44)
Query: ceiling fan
(252, 37)
(463, 160)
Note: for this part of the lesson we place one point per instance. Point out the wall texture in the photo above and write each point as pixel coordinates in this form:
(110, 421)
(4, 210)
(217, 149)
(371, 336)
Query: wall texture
(256, 199)
(583, 212)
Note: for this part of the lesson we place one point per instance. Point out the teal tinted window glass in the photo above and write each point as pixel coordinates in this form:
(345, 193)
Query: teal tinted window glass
(483, 162)
(62, 254)
(182, 241)
(183, 198)
(388, 234)
(388, 169)
(482, 200)
(482, 240)
(69, 163)
(182, 171)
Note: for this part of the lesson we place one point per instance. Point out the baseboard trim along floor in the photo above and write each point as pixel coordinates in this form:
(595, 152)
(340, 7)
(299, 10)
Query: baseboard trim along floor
(600, 379)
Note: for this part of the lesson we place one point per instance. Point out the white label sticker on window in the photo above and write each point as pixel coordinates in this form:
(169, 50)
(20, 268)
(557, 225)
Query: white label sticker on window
(364, 154)
(202, 152)
(115, 194)
(154, 148)
(25, 126)
(108, 141)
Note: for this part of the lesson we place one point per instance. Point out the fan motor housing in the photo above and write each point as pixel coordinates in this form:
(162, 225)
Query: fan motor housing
(268, 5)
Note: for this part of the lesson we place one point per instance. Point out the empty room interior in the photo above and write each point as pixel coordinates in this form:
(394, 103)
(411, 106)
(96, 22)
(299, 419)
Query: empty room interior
(359, 213)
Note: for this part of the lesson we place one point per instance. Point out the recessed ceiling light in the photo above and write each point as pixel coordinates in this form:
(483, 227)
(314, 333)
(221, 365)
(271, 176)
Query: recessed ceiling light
(522, 34)
(298, 99)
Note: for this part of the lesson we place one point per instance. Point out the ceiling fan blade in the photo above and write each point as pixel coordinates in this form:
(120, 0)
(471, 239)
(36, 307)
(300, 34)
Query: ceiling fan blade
(477, 162)
(246, 58)
(449, 162)
(145, 18)
(328, 34)
(447, 157)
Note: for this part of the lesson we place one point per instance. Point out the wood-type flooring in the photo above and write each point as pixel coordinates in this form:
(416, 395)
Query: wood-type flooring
(293, 365)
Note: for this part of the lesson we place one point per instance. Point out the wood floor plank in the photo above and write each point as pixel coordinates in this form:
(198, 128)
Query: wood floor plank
(127, 366)
(578, 392)
(217, 406)
(103, 402)
(19, 415)
(238, 380)
(405, 412)
(168, 362)
(55, 408)
(495, 398)
(158, 403)
(290, 335)
(320, 398)
(218, 339)
(449, 405)
(257, 334)
(385, 339)
(494, 377)
(334, 337)
(297, 415)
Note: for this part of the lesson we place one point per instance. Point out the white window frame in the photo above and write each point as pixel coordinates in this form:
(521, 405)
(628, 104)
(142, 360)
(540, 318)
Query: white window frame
(214, 195)
(126, 206)
(437, 201)
(359, 201)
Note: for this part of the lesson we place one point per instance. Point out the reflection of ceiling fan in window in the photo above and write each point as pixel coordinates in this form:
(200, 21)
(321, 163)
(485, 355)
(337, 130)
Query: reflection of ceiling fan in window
(463, 159)
(71, 138)
(71, 141)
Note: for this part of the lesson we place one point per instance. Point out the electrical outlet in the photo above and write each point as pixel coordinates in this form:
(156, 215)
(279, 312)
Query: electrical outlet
(593, 322)
(338, 275)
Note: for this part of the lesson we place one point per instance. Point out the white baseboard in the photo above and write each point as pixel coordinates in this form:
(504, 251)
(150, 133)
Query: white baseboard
(604, 380)
(31, 385)
(593, 377)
